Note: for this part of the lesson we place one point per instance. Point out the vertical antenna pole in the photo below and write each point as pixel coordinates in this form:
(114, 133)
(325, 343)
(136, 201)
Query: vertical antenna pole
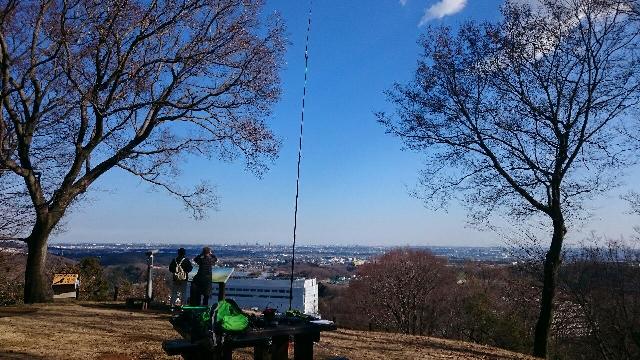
(295, 213)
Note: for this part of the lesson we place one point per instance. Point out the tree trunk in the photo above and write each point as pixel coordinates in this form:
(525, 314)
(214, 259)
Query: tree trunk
(551, 265)
(36, 283)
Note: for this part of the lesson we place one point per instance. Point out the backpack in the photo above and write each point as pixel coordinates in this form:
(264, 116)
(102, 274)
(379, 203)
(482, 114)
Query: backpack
(180, 274)
(230, 317)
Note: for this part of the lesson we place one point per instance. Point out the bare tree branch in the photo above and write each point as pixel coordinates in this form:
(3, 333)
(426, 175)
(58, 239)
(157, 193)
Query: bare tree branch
(89, 86)
(525, 115)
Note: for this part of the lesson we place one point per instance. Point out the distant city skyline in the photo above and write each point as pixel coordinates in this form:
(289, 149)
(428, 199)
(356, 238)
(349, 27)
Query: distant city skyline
(355, 179)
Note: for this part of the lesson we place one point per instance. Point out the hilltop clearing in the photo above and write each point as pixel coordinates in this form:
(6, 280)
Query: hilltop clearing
(108, 332)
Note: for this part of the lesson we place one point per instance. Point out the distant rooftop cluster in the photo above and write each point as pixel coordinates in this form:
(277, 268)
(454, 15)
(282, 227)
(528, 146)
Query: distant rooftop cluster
(257, 258)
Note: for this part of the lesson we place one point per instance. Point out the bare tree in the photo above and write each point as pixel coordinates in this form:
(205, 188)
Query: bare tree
(399, 290)
(491, 305)
(524, 115)
(92, 85)
(603, 283)
(633, 198)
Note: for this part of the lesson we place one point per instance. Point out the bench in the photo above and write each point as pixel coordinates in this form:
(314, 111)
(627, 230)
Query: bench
(271, 342)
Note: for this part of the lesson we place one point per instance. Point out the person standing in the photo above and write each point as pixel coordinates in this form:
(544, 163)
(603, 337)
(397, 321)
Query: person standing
(180, 268)
(201, 284)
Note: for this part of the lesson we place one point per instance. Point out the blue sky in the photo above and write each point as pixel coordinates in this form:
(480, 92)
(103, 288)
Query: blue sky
(355, 179)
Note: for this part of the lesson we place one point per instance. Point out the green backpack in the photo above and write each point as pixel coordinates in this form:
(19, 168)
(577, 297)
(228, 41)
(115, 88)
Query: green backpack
(230, 317)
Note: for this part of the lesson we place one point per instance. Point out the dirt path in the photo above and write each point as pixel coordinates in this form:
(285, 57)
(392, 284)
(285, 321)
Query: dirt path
(100, 331)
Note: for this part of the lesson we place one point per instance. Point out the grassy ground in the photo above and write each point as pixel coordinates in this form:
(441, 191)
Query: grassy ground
(110, 332)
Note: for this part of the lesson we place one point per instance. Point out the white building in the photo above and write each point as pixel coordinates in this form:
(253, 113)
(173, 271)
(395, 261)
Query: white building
(262, 293)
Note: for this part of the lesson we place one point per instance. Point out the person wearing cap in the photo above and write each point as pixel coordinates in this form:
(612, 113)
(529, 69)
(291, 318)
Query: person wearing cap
(201, 284)
(180, 268)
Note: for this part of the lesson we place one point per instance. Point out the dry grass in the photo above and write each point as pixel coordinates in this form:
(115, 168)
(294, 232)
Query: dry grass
(377, 345)
(81, 331)
(109, 332)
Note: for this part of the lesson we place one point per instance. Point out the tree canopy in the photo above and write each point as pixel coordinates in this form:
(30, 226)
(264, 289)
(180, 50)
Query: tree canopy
(530, 114)
(505, 112)
(89, 86)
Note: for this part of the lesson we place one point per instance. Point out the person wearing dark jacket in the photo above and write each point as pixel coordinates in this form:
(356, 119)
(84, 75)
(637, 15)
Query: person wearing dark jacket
(180, 268)
(201, 284)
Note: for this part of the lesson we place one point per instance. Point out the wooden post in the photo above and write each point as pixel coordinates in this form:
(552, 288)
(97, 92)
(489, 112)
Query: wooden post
(261, 352)
(303, 347)
(220, 291)
(227, 353)
(280, 347)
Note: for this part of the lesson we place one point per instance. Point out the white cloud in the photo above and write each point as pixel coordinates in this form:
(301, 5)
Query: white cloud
(403, 2)
(441, 9)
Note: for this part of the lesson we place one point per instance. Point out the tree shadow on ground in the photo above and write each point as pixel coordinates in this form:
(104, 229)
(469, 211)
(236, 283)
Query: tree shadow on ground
(16, 311)
(105, 305)
(153, 309)
(10, 355)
